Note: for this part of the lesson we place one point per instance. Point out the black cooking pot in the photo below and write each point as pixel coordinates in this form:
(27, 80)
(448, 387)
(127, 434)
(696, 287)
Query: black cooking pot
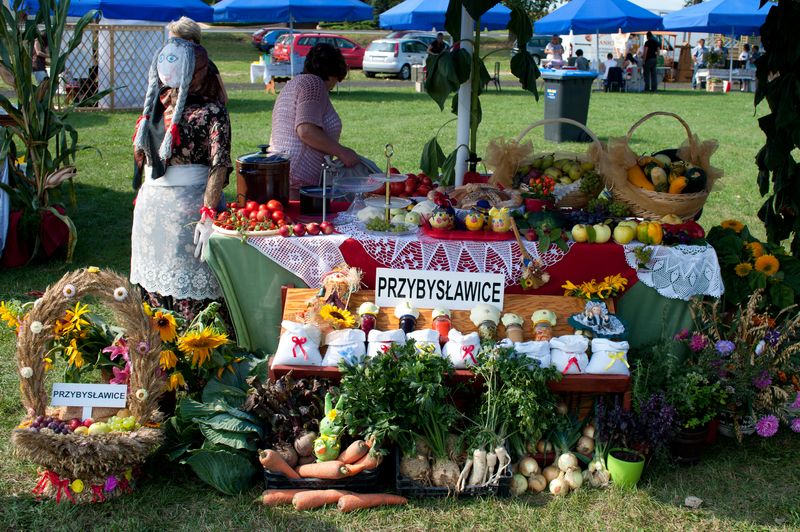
(262, 176)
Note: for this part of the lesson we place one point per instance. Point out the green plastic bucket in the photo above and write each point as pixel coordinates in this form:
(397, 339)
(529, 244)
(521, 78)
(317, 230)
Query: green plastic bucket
(624, 473)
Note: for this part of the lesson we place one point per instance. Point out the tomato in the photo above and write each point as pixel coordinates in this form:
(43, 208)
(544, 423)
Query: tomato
(231, 204)
(425, 180)
(277, 215)
(275, 205)
(253, 215)
(251, 205)
(263, 215)
(223, 216)
(242, 212)
(395, 189)
(263, 207)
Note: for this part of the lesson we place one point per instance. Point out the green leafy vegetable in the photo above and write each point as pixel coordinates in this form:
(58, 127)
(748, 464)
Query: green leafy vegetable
(227, 471)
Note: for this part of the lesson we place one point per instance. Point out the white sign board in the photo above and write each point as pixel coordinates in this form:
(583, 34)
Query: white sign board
(89, 396)
(430, 289)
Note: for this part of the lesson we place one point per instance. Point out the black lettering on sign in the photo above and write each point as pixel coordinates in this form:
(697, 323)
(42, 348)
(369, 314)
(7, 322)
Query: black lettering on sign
(440, 284)
(430, 284)
(459, 291)
(391, 287)
(496, 291)
(382, 285)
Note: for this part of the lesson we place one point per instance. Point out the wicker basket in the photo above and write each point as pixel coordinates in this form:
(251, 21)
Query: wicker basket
(649, 204)
(571, 195)
(84, 468)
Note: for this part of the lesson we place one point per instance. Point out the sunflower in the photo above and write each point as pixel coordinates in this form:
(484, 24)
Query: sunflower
(165, 323)
(735, 225)
(167, 359)
(176, 381)
(743, 269)
(768, 265)
(199, 344)
(74, 354)
(755, 249)
(338, 318)
(74, 318)
(8, 315)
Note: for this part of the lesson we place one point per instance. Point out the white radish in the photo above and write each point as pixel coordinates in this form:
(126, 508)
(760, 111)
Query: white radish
(503, 461)
(550, 472)
(585, 445)
(537, 483)
(528, 466)
(519, 485)
(491, 463)
(478, 467)
(462, 478)
(566, 461)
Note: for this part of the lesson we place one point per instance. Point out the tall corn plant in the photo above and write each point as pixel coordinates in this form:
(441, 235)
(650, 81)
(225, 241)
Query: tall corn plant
(46, 140)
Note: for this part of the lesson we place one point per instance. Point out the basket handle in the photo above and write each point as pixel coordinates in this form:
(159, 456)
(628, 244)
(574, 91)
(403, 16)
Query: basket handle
(569, 121)
(647, 117)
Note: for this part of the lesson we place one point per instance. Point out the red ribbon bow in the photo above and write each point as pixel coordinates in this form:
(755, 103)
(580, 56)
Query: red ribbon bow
(385, 346)
(176, 134)
(136, 127)
(572, 360)
(124, 486)
(97, 494)
(468, 350)
(47, 477)
(63, 487)
(298, 342)
(207, 211)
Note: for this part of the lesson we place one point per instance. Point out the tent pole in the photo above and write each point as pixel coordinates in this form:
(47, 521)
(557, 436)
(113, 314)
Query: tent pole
(730, 70)
(291, 45)
(464, 101)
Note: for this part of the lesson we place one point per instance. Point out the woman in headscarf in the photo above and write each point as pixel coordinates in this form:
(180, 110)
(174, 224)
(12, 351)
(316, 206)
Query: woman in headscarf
(182, 153)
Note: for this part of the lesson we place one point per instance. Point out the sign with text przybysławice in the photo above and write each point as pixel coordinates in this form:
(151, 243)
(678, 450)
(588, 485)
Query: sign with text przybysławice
(89, 396)
(430, 289)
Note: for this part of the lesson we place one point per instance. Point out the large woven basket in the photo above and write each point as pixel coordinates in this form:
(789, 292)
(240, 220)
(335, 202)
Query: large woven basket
(89, 468)
(619, 157)
(570, 195)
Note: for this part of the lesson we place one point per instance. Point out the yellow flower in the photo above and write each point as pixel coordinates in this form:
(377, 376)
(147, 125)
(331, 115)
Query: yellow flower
(332, 414)
(755, 249)
(768, 265)
(569, 288)
(92, 269)
(736, 225)
(147, 310)
(167, 359)
(74, 354)
(743, 269)
(176, 381)
(199, 344)
(8, 315)
(338, 318)
(165, 323)
(48, 364)
(74, 318)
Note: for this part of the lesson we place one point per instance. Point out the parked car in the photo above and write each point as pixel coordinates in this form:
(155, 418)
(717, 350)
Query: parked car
(303, 42)
(264, 39)
(426, 37)
(394, 56)
(535, 47)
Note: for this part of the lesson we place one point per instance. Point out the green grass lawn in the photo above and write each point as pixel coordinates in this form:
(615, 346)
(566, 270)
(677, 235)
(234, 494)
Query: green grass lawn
(757, 485)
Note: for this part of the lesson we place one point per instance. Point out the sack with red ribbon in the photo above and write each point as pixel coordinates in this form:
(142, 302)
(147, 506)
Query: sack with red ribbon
(568, 353)
(462, 349)
(299, 345)
(382, 341)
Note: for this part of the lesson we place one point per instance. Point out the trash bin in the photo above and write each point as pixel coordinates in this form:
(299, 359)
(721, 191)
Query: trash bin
(566, 95)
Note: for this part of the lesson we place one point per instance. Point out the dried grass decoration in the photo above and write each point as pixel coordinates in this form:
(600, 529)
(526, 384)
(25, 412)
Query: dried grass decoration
(78, 467)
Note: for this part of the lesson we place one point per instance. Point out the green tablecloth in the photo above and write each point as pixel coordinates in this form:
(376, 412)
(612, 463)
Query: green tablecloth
(252, 284)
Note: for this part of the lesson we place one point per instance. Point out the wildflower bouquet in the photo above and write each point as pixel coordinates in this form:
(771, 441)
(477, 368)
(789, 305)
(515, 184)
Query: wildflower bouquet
(611, 286)
(748, 264)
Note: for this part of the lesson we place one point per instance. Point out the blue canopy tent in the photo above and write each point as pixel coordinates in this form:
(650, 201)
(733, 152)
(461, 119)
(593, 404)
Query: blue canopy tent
(427, 14)
(583, 17)
(733, 17)
(153, 10)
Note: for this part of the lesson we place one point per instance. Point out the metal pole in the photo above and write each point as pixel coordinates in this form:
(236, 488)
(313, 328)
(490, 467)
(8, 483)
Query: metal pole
(464, 99)
(730, 70)
(291, 46)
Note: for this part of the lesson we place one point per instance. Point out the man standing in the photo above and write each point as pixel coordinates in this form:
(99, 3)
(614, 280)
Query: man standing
(700, 54)
(651, 47)
(438, 46)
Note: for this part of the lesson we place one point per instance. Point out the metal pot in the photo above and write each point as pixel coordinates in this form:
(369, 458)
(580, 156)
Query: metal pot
(262, 176)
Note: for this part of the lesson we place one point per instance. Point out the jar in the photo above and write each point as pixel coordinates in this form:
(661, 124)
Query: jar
(487, 330)
(542, 331)
(442, 325)
(514, 332)
(408, 322)
(368, 322)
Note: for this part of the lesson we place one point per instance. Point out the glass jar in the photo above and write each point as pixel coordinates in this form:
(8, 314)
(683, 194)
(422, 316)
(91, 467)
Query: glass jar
(542, 331)
(442, 325)
(487, 330)
(514, 332)
(408, 323)
(368, 322)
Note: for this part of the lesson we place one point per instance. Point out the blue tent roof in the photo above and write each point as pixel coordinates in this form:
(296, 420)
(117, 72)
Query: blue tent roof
(155, 10)
(597, 16)
(282, 10)
(427, 14)
(720, 16)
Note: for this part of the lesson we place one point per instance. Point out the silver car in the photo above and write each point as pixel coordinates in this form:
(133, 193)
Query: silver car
(535, 47)
(394, 56)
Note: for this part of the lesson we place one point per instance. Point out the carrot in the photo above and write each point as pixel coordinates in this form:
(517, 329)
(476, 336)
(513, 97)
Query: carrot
(308, 500)
(326, 470)
(354, 452)
(272, 461)
(349, 503)
(369, 461)
(278, 497)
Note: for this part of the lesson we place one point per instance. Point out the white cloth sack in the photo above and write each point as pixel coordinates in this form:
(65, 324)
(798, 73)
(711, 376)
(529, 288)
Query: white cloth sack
(347, 345)
(537, 351)
(609, 358)
(568, 353)
(426, 337)
(380, 341)
(299, 345)
(462, 349)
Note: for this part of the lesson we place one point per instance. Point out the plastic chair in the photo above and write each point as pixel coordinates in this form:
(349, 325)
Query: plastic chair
(496, 78)
(615, 82)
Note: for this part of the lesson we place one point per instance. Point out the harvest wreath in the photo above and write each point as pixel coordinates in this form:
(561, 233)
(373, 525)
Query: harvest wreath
(80, 466)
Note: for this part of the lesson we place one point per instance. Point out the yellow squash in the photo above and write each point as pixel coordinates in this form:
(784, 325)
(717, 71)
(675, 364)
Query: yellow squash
(677, 185)
(637, 177)
(649, 233)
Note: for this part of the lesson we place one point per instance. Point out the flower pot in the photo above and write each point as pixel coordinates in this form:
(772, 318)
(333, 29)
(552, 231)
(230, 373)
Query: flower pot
(625, 466)
(713, 431)
(689, 444)
(538, 205)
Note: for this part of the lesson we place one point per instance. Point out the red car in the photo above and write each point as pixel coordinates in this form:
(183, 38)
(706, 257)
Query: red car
(303, 42)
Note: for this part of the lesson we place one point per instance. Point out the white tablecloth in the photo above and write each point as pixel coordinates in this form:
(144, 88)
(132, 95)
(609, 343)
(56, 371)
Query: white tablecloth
(257, 71)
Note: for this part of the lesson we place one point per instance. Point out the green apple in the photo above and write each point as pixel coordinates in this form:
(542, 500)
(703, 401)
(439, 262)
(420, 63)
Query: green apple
(413, 218)
(623, 234)
(575, 173)
(565, 181)
(602, 233)
(99, 428)
(579, 233)
(395, 212)
(553, 173)
(633, 224)
(586, 167)
(399, 218)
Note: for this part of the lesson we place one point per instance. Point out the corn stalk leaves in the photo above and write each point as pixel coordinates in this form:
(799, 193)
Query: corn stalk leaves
(432, 158)
(442, 78)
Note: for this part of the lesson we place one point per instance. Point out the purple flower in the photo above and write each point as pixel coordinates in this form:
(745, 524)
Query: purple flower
(117, 349)
(121, 376)
(142, 348)
(767, 426)
(683, 335)
(724, 347)
(763, 381)
(772, 336)
(796, 403)
(795, 424)
(698, 342)
(111, 484)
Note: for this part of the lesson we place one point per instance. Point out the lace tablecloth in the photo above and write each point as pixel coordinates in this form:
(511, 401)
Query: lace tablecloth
(679, 272)
(308, 258)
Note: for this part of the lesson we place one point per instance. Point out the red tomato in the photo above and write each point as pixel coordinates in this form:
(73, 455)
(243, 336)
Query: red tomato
(263, 215)
(231, 204)
(253, 215)
(242, 212)
(263, 207)
(275, 205)
(224, 215)
(277, 215)
(395, 189)
(251, 205)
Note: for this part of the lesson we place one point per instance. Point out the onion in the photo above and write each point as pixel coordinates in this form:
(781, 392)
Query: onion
(544, 447)
(588, 431)
(537, 483)
(585, 445)
(574, 478)
(566, 461)
(519, 485)
(528, 466)
(558, 486)
(550, 472)
(562, 409)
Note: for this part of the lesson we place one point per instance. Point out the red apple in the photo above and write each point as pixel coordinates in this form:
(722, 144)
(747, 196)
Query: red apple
(285, 231)
(531, 235)
(74, 423)
(312, 228)
(299, 229)
(326, 227)
(395, 189)
(425, 180)
(88, 422)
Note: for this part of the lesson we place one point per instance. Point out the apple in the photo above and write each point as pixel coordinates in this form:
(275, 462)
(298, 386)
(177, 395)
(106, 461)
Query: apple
(399, 219)
(74, 423)
(312, 228)
(623, 234)
(531, 235)
(629, 223)
(395, 189)
(299, 229)
(285, 231)
(602, 233)
(579, 233)
(326, 227)
(88, 422)
(413, 218)
(81, 430)
(99, 428)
